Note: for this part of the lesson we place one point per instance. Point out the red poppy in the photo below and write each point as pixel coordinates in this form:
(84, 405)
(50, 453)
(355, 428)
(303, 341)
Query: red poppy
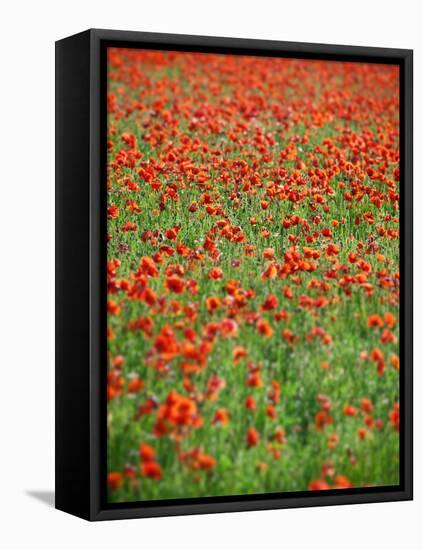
(253, 437)
(151, 469)
(114, 480)
(147, 453)
(318, 485)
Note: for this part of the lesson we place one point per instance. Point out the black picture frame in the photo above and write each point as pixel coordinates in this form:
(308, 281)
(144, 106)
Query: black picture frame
(80, 268)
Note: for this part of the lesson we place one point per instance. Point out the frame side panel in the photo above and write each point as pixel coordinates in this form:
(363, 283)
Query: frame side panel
(98, 281)
(72, 275)
(406, 225)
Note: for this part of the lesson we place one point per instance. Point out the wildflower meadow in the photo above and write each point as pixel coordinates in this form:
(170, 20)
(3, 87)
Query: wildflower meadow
(252, 275)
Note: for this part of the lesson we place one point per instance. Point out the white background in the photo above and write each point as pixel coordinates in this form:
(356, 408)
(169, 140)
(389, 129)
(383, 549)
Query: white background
(28, 32)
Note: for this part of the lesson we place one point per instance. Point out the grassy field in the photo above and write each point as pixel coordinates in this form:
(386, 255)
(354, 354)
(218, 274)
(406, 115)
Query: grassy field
(253, 275)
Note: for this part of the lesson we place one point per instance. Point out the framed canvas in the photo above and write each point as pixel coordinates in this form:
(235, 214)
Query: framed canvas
(233, 219)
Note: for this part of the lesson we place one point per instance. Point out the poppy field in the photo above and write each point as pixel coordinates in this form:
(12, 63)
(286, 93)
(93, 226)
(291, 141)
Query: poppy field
(252, 275)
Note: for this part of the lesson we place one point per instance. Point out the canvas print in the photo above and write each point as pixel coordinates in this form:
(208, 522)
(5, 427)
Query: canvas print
(252, 275)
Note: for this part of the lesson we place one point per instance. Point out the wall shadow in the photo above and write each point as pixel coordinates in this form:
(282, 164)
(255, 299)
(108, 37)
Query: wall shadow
(46, 497)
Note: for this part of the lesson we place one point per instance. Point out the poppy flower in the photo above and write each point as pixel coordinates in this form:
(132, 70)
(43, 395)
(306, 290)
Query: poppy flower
(366, 405)
(375, 321)
(318, 485)
(206, 462)
(362, 433)
(350, 410)
(342, 482)
(172, 233)
(394, 417)
(112, 212)
(238, 353)
(376, 355)
(270, 303)
(113, 308)
(151, 469)
(135, 385)
(271, 412)
(269, 273)
(395, 361)
(333, 440)
(390, 319)
(175, 284)
(264, 328)
(216, 273)
(253, 437)
(229, 328)
(250, 403)
(148, 266)
(322, 418)
(114, 480)
(147, 453)
(213, 303)
(221, 417)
